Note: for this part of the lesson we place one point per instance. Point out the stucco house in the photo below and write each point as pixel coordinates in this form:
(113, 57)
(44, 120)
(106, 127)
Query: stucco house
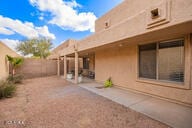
(4, 64)
(144, 46)
(55, 53)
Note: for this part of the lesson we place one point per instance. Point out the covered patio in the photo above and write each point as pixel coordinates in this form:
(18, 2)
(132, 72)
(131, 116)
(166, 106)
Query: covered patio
(77, 67)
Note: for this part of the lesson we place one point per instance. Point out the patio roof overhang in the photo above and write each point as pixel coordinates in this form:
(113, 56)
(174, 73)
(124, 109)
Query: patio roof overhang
(114, 37)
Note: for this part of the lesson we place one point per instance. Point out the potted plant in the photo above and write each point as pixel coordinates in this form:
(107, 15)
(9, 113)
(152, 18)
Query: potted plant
(80, 78)
(69, 75)
(108, 83)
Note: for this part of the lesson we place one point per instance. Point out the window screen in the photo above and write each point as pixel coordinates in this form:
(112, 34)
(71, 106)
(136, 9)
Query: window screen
(171, 61)
(162, 61)
(147, 61)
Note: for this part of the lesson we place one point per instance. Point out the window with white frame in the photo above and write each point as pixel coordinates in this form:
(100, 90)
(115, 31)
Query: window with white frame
(162, 61)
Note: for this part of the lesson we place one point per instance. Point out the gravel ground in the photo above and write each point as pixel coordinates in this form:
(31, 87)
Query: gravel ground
(51, 102)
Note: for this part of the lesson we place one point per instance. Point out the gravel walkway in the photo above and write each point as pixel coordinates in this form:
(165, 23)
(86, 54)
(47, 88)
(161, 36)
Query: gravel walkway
(52, 102)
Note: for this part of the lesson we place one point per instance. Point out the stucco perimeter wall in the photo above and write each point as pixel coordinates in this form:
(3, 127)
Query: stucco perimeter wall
(32, 68)
(120, 63)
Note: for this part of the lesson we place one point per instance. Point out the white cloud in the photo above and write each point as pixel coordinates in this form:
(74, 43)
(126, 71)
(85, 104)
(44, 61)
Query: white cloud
(65, 15)
(41, 18)
(6, 31)
(10, 43)
(43, 31)
(72, 4)
(9, 26)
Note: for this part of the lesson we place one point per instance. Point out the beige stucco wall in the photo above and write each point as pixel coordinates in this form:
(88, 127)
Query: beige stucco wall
(59, 49)
(136, 26)
(120, 63)
(92, 63)
(32, 68)
(127, 8)
(133, 9)
(61, 67)
(71, 64)
(4, 68)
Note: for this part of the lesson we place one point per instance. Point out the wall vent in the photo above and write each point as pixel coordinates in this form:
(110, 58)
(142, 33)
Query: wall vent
(158, 14)
(155, 13)
(107, 24)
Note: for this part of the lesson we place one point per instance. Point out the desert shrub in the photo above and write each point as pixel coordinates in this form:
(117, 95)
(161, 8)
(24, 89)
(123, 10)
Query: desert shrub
(9, 90)
(15, 78)
(108, 83)
(6, 89)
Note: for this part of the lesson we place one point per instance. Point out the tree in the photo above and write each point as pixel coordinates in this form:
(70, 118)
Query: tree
(38, 47)
(15, 62)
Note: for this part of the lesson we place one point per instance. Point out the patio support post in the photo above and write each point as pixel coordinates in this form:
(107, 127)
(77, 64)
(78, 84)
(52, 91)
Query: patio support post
(76, 68)
(58, 66)
(65, 66)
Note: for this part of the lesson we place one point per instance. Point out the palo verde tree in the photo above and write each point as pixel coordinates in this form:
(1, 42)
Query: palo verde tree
(38, 47)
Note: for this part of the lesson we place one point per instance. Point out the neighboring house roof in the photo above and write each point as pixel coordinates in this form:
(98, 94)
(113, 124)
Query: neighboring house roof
(9, 50)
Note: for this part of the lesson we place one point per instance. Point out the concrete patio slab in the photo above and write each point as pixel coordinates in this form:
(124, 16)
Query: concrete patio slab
(115, 94)
(175, 115)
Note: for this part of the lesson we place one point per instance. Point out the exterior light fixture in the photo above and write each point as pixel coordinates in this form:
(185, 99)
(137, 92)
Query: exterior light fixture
(120, 45)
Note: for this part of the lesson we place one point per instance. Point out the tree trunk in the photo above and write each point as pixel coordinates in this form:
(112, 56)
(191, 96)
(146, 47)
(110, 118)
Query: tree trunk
(13, 72)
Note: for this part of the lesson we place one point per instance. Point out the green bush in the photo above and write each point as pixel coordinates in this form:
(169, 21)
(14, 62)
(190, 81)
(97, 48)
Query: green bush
(15, 78)
(6, 89)
(108, 83)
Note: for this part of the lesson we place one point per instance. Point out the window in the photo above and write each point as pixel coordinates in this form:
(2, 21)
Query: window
(162, 61)
(147, 63)
(85, 63)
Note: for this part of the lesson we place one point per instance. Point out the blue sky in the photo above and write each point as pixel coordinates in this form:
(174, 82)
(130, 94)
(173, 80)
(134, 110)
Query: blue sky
(55, 19)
